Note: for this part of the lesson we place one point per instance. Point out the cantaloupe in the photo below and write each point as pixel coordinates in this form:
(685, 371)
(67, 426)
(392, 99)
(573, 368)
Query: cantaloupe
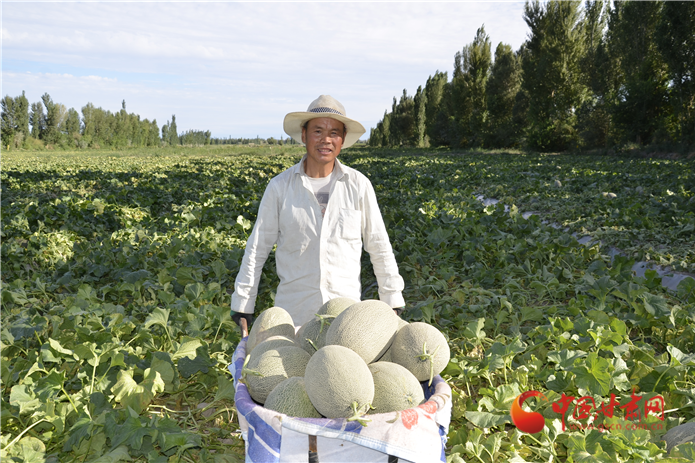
(335, 306)
(272, 367)
(272, 342)
(367, 327)
(290, 397)
(395, 388)
(338, 382)
(271, 322)
(422, 349)
(312, 335)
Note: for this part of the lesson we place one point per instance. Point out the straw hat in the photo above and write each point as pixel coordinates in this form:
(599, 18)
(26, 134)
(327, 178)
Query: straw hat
(323, 106)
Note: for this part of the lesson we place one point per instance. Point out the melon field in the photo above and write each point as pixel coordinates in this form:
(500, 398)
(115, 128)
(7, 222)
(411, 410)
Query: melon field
(117, 269)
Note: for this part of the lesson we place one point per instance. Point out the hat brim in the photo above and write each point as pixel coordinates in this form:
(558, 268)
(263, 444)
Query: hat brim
(294, 121)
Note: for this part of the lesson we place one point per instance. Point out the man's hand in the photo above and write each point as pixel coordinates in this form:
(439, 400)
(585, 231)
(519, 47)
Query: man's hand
(237, 316)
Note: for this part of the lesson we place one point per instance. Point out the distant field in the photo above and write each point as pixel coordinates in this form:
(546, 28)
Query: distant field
(117, 267)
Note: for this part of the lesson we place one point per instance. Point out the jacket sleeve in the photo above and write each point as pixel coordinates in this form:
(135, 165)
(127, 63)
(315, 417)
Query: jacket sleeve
(258, 247)
(377, 244)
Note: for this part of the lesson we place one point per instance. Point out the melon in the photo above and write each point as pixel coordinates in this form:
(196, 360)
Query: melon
(290, 397)
(338, 382)
(367, 327)
(395, 388)
(272, 342)
(422, 349)
(335, 306)
(312, 335)
(271, 322)
(264, 372)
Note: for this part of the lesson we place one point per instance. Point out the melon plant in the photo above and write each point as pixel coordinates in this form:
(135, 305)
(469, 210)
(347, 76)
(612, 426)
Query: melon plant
(367, 328)
(339, 383)
(271, 322)
(422, 349)
(262, 373)
(290, 397)
(395, 388)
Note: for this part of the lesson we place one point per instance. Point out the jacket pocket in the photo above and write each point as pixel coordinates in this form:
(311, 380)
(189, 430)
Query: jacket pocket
(350, 224)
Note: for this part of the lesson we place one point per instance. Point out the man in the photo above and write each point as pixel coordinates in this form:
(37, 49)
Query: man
(319, 213)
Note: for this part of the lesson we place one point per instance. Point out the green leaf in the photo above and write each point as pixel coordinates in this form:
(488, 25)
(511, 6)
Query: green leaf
(56, 346)
(565, 359)
(474, 330)
(187, 349)
(158, 316)
(487, 420)
(137, 396)
(593, 375)
(188, 367)
(225, 388)
(131, 432)
(22, 398)
(118, 454)
(29, 450)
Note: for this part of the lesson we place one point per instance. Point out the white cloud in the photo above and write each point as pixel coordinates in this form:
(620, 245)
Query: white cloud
(226, 64)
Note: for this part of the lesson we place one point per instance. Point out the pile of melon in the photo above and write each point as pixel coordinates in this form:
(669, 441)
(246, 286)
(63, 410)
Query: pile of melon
(352, 359)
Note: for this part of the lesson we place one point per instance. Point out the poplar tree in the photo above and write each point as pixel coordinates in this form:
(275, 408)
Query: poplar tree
(598, 75)
(434, 92)
(471, 70)
(37, 120)
(501, 90)
(675, 39)
(419, 105)
(642, 110)
(551, 73)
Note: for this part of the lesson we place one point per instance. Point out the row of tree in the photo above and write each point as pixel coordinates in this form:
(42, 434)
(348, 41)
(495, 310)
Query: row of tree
(594, 75)
(49, 123)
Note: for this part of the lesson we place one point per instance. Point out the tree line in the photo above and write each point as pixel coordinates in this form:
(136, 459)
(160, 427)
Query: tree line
(596, 75)
(45, 123)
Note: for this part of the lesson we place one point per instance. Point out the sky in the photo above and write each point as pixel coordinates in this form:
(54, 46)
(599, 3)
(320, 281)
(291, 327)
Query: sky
(237, 68)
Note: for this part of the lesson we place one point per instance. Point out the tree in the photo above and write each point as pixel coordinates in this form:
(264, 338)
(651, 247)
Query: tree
(675, 40)
(173, 134)
(54, 114)
(641, 111)
(434, 91)
(598, 75)
(9, 123)
(419, 103)
(72, 124)
(501, 90)
(471, 70)
(37, 120)
(551, 73)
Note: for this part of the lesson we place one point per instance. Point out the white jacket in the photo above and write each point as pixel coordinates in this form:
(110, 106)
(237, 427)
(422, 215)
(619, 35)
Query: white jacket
(317, 258)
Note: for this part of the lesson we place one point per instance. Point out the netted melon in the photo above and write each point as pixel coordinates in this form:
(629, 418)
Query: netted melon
(271, 322)
(312, 335)
(335, 306)
(395, 388)
(367, 328)
(338, 382)
(290, 397)
(272, 342)
(422, 349)
(272, 367)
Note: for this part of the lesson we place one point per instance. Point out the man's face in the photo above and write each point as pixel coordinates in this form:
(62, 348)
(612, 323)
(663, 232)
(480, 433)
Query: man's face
(323, 138)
